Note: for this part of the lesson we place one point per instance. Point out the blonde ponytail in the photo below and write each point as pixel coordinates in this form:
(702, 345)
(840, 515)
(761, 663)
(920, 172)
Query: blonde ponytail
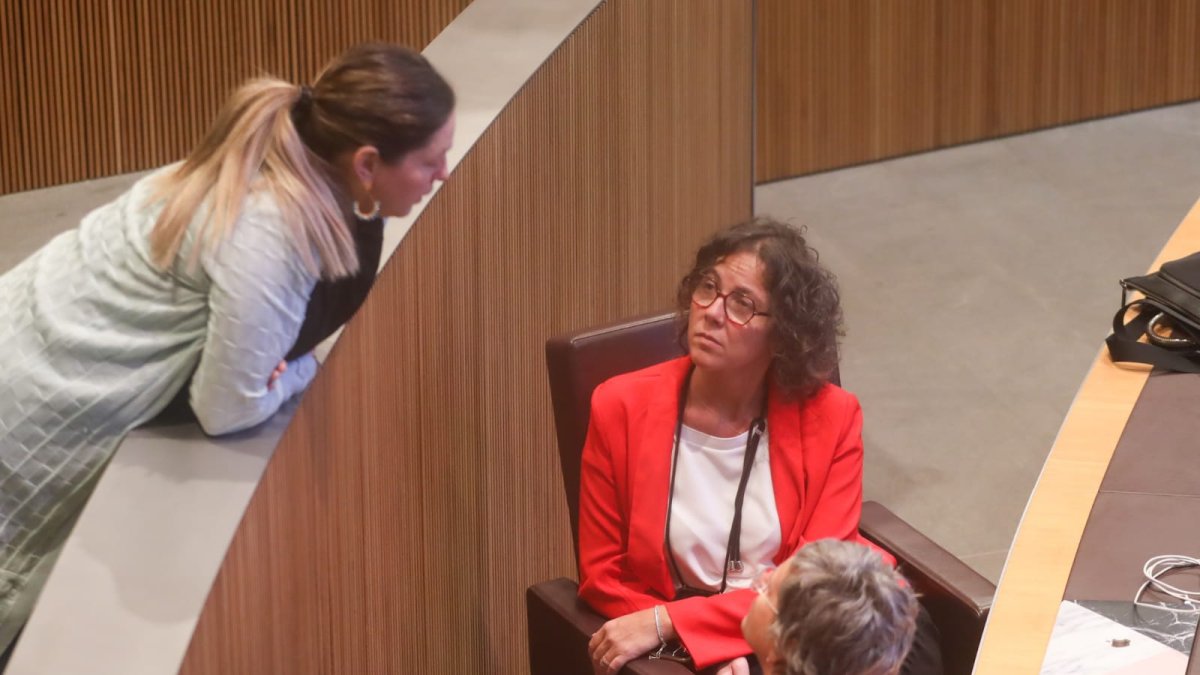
(374, 94)
(254, 139)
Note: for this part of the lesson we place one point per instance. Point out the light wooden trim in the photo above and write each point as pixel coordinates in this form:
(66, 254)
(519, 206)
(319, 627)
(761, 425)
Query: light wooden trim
(91, 89)
(417, 492)
(1039, 563)
(840, 83)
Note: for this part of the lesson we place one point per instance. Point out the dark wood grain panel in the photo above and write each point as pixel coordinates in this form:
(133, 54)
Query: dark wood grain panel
(841, 83)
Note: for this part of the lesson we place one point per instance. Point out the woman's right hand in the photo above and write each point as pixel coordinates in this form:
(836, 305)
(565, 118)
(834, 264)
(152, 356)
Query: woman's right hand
(625, 638)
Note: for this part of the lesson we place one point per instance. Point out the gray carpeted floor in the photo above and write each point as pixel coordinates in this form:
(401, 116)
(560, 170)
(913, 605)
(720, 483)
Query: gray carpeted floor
(978, 284)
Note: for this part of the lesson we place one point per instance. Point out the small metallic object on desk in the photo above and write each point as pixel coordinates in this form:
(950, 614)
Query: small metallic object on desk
(1119, 642)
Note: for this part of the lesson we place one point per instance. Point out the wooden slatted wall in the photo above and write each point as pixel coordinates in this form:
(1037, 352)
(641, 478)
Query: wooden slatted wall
(849, 81)
(417, 492)
(91, 89)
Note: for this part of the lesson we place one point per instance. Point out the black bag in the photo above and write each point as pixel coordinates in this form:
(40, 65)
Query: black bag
(1168, 315)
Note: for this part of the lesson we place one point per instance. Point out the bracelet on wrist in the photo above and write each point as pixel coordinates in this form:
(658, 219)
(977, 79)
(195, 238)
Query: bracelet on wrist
(658, 627)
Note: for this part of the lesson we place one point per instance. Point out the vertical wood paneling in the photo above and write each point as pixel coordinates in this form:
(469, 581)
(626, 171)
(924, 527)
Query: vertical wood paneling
(841, 83)
(417, 493)
(94, 88)
(10, 48)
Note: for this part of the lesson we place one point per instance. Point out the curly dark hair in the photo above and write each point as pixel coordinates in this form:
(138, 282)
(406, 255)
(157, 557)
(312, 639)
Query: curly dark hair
(806, 311)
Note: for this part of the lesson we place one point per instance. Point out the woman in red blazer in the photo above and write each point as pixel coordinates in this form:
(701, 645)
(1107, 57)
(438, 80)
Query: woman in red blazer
(667, 485)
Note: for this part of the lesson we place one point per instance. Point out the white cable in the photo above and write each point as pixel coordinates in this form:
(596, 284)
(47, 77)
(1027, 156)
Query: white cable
(1160, 565)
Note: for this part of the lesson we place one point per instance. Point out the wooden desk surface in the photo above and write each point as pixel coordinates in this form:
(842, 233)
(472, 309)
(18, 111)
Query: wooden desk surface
(1043, 551)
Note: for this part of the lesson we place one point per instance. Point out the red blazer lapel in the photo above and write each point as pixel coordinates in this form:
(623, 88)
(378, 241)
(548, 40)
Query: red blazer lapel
(652, 434)
(787, 470)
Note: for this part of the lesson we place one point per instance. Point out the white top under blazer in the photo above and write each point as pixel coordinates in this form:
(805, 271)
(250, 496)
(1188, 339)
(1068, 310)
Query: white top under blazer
(706, 482)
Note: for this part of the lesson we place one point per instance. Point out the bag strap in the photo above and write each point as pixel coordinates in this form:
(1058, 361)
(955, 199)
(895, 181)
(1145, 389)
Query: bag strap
(1123, 344)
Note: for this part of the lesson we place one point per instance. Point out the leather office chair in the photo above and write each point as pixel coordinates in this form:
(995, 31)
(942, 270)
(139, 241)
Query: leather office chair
(956, 597)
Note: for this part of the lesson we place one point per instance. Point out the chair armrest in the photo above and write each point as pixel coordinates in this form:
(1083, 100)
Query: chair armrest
(932, 569)
(560, 625)
(957, 597)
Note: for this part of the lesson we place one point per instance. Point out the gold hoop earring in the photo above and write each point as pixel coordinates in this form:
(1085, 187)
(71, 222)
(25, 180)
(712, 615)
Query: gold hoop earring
(367, 216)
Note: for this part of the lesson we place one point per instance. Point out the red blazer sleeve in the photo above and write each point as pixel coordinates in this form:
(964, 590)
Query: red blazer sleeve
(838, 507)
(711, 628)
(605, 580)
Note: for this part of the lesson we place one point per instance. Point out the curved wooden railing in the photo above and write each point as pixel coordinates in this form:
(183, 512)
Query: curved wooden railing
(1039, 563)
(414, 492)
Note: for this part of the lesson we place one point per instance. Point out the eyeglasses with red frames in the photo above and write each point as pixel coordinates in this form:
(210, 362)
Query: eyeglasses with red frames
(739, 307)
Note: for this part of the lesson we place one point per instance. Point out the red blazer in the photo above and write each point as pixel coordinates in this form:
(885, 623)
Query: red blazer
(816, 467)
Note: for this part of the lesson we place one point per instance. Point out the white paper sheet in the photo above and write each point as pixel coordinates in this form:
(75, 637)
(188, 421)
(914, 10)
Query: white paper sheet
(1083, 644)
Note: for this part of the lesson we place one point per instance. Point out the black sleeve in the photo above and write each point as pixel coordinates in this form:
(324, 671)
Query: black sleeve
(333, 303)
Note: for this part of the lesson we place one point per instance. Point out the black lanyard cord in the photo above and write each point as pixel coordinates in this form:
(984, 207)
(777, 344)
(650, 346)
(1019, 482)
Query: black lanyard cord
(733, 550)
(733, 554)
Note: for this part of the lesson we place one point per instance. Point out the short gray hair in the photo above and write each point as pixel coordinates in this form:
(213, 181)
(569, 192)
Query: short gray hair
(843, 611)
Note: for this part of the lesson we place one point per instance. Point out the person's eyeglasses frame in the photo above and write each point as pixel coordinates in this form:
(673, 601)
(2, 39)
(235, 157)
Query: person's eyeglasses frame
(760, 584)
(724, 298)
